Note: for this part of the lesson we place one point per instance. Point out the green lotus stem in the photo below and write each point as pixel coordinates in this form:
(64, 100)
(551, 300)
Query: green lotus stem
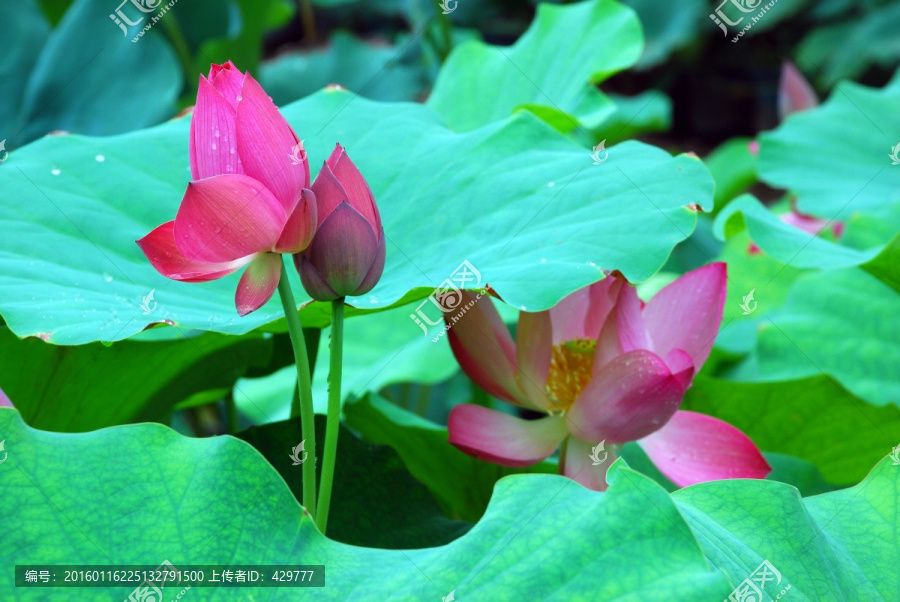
(232, 414)
(304, 387)
(179, 43)
(447, 36)
(334, 411)
(309, 21)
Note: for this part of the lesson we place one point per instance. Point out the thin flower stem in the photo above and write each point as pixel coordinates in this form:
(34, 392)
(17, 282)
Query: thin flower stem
(334, 411)
(309, 21)
(304, 385)
(446, 35)
(232, 414)
(179, 43)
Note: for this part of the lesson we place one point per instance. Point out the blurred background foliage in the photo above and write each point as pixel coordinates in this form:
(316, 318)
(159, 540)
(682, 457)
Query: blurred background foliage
(701, 91)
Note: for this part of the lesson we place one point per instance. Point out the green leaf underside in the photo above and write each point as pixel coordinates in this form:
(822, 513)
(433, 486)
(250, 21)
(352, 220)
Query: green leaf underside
(812, 418)
(88, 387)
(375, 502)
(461, 484)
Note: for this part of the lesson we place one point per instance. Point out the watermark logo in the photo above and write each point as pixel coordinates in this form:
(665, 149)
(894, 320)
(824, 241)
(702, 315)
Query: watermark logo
(749, 305)
(146, 303)
(298, 155)
(895, 160)
(751, 589)
(151, 589)
(894, 455)
(596, 460)
(4, 154)
(295, 453)
(597, 150)
(448, 6)
(745, 6)
(5, 453)
(449, 597)
(448, 296)
(146, 7)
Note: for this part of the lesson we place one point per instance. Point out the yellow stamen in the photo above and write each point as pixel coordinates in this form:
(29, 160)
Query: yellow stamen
(571, 366)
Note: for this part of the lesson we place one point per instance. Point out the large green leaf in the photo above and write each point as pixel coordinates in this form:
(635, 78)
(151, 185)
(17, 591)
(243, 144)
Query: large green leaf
(836, 158)
(793, 246)
(18, 60)
(733, 167)
(143, 494)
(376, 72)
(767, 279)
(88, 387)
(838, 323)
(812, 418)
(88, 77)
(375, 501)
(522, 204)
(593, 40)
(668, 26)
(644, 113)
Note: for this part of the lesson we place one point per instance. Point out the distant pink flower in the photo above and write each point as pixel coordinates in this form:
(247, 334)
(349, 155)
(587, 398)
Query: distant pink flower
(795, 94)
(346, 256)
(4, 400)
(604, 367)
(249, 199)
(807, 223)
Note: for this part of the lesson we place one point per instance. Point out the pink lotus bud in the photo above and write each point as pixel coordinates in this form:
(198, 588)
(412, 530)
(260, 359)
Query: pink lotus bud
(346, 256)
(249, 199)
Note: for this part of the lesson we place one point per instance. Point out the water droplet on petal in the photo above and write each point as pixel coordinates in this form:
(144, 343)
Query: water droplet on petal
(100, 158)
(55, 171)
(107, 277)
(214, 146)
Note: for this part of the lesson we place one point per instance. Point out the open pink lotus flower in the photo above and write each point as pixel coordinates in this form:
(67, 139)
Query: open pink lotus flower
(249, 199)
(605, 368)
